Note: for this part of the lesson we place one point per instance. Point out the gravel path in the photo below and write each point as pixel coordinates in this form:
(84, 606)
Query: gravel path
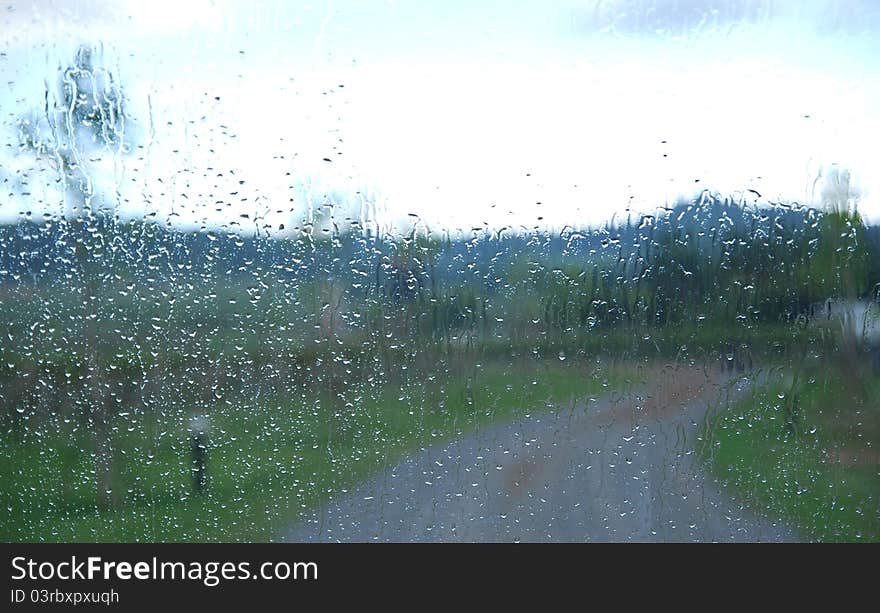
(615, 470)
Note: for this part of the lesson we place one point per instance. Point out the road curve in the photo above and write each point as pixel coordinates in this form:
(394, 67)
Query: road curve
(619, 469)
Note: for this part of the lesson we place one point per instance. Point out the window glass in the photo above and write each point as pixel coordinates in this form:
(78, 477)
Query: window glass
(444, 271)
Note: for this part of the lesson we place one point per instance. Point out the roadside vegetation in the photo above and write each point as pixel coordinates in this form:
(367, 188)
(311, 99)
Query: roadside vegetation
(271, 455)
(804, 450)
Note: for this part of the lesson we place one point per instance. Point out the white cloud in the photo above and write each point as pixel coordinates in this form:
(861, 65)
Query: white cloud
(585, 126)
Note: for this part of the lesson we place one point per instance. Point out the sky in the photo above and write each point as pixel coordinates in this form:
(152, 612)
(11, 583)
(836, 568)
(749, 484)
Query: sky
(456, 115)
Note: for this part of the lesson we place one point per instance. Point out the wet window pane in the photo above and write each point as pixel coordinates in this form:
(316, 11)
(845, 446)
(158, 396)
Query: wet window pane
(449, 271)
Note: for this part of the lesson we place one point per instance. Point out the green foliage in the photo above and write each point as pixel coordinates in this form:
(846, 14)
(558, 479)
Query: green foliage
(270, 456)
(800, 450)
(839, 269)
(85, 117)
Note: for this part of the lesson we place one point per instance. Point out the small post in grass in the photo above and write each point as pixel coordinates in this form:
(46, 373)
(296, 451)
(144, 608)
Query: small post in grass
(199, 428)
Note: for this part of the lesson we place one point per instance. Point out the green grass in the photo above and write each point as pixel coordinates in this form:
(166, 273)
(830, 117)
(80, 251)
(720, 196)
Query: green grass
(787, 464)
(271, 457)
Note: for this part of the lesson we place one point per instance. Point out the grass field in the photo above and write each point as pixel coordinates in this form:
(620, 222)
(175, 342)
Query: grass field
(270, 456)
(807, 456)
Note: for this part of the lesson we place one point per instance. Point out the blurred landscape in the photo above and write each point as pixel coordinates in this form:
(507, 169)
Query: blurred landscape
(319, 360)
(254, 380)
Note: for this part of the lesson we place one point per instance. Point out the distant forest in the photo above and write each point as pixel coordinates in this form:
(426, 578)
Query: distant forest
(773, 263)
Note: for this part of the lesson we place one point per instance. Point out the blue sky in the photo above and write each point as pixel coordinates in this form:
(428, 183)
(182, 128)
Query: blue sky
(459, 114)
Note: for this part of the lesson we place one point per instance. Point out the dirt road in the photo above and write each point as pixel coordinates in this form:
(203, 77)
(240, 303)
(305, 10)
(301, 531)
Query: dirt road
(620, 469)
